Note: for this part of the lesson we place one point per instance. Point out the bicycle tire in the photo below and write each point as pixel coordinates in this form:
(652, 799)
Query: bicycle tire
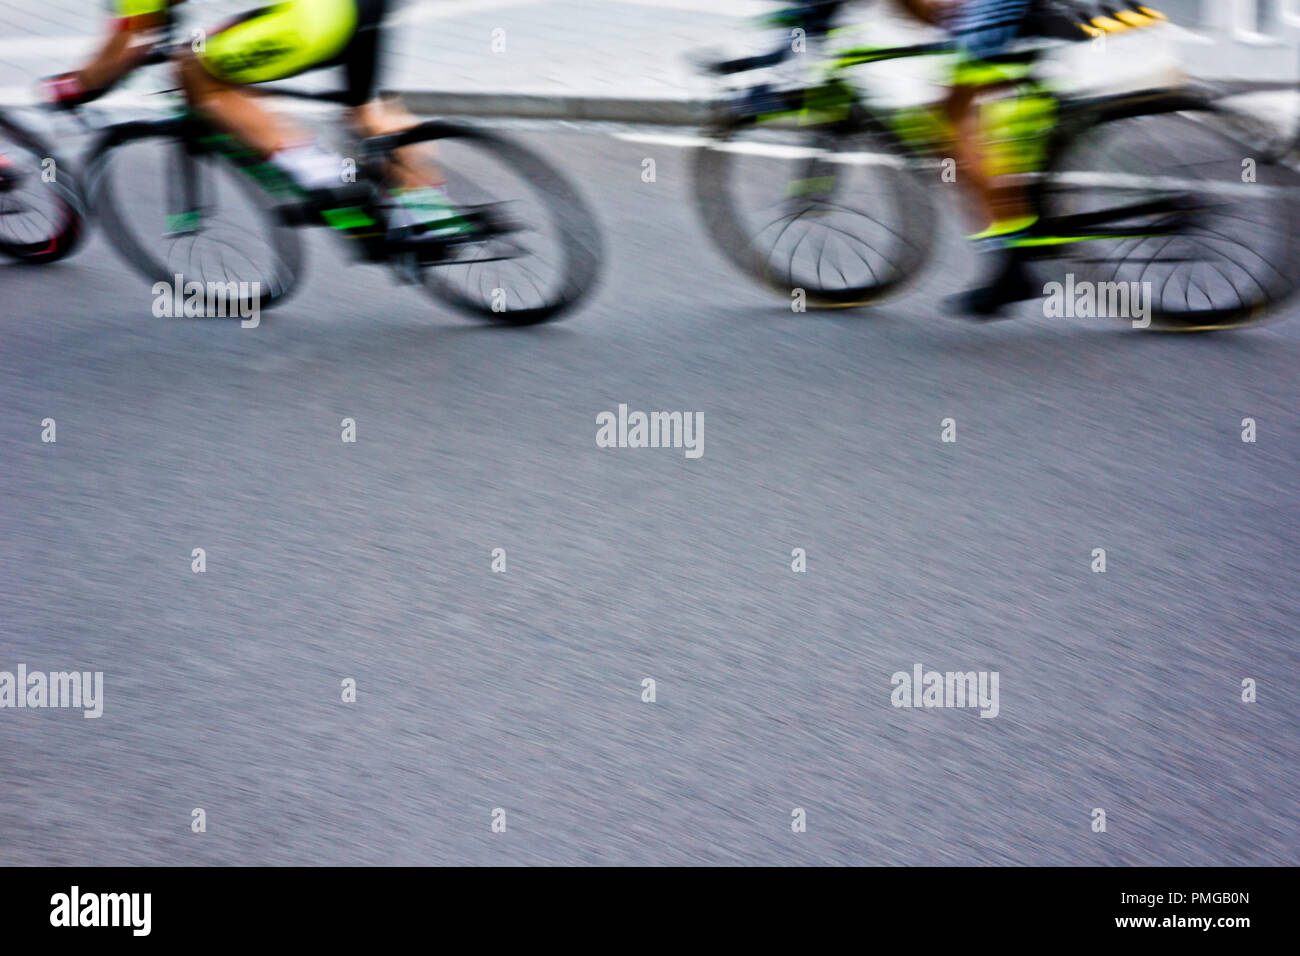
(1246, 233)
(717, 171)
(276, 274)
(66, 224)
(554, 205)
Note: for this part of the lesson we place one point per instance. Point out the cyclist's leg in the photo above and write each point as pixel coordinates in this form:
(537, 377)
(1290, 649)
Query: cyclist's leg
(412, 167)
(269, 43)
(237, 110)
(985, 29)
(417, 184)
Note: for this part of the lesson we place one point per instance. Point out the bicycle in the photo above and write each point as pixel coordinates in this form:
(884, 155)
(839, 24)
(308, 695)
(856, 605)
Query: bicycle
(42, 209)
(1144, 187)
(162, 188)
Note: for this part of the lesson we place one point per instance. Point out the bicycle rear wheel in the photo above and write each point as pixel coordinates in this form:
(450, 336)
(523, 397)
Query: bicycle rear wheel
(842, 217)
(180, 213)
(41, 206)
(539, 251)
(1180, 210)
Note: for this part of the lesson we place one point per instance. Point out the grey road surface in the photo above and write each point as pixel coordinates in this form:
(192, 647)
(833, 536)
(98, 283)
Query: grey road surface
(371, 561)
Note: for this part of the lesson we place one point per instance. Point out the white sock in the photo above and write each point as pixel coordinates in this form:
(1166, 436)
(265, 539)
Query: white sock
(310, 166)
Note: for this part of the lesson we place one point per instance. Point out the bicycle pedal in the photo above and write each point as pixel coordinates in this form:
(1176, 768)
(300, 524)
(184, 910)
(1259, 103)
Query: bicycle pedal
(436, 234)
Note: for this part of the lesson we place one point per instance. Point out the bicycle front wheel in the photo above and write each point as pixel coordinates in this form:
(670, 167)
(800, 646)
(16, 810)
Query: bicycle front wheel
(180, 213)
(841, 217)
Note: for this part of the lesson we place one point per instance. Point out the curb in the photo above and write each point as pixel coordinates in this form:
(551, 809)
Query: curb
(666, 112)
(604, 109)
(529, 106)
(608, 109)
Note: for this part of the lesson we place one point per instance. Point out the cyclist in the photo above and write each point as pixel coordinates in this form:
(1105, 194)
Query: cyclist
(272, 43)
(985, 31)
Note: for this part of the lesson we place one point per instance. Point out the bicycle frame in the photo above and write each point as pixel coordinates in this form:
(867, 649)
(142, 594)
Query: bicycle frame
(353, 211)
(922, 131)
(1021, 128)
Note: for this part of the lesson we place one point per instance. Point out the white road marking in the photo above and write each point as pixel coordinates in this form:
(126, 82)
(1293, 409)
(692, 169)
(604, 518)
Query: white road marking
(1227, 187)
(1199, 187)
(770, 150)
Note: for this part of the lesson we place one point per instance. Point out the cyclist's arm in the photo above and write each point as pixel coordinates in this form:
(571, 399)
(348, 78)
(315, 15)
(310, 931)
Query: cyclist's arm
(121, 53)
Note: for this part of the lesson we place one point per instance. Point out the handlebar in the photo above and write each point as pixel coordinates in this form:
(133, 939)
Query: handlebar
(746, 63)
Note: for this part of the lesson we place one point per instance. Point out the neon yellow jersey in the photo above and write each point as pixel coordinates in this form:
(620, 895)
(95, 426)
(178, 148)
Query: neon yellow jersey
(132, 13)
(274, 41)
(280, 40)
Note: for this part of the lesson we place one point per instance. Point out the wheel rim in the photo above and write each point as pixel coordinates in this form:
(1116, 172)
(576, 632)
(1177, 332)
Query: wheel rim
(37, 208)
(1226, 257)
(208, 241)
(840, 227)
(544, 262)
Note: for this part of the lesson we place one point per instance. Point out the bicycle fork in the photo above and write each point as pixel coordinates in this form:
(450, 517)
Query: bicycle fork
(184, 215)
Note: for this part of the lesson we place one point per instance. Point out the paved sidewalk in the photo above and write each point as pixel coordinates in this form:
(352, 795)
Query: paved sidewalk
(537, 47)
(584, 59)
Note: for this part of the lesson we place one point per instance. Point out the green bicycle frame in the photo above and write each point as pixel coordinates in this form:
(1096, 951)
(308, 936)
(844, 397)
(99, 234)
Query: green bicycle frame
(1018, 126)
(279, 187)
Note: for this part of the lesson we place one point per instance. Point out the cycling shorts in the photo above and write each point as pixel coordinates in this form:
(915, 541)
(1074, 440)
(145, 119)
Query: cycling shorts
(285, 39)
(985, 30)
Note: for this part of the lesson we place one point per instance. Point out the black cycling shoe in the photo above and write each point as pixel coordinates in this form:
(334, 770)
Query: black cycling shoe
(1009, 284)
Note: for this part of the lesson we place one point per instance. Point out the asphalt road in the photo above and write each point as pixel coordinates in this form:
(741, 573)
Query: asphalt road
(522, 690)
